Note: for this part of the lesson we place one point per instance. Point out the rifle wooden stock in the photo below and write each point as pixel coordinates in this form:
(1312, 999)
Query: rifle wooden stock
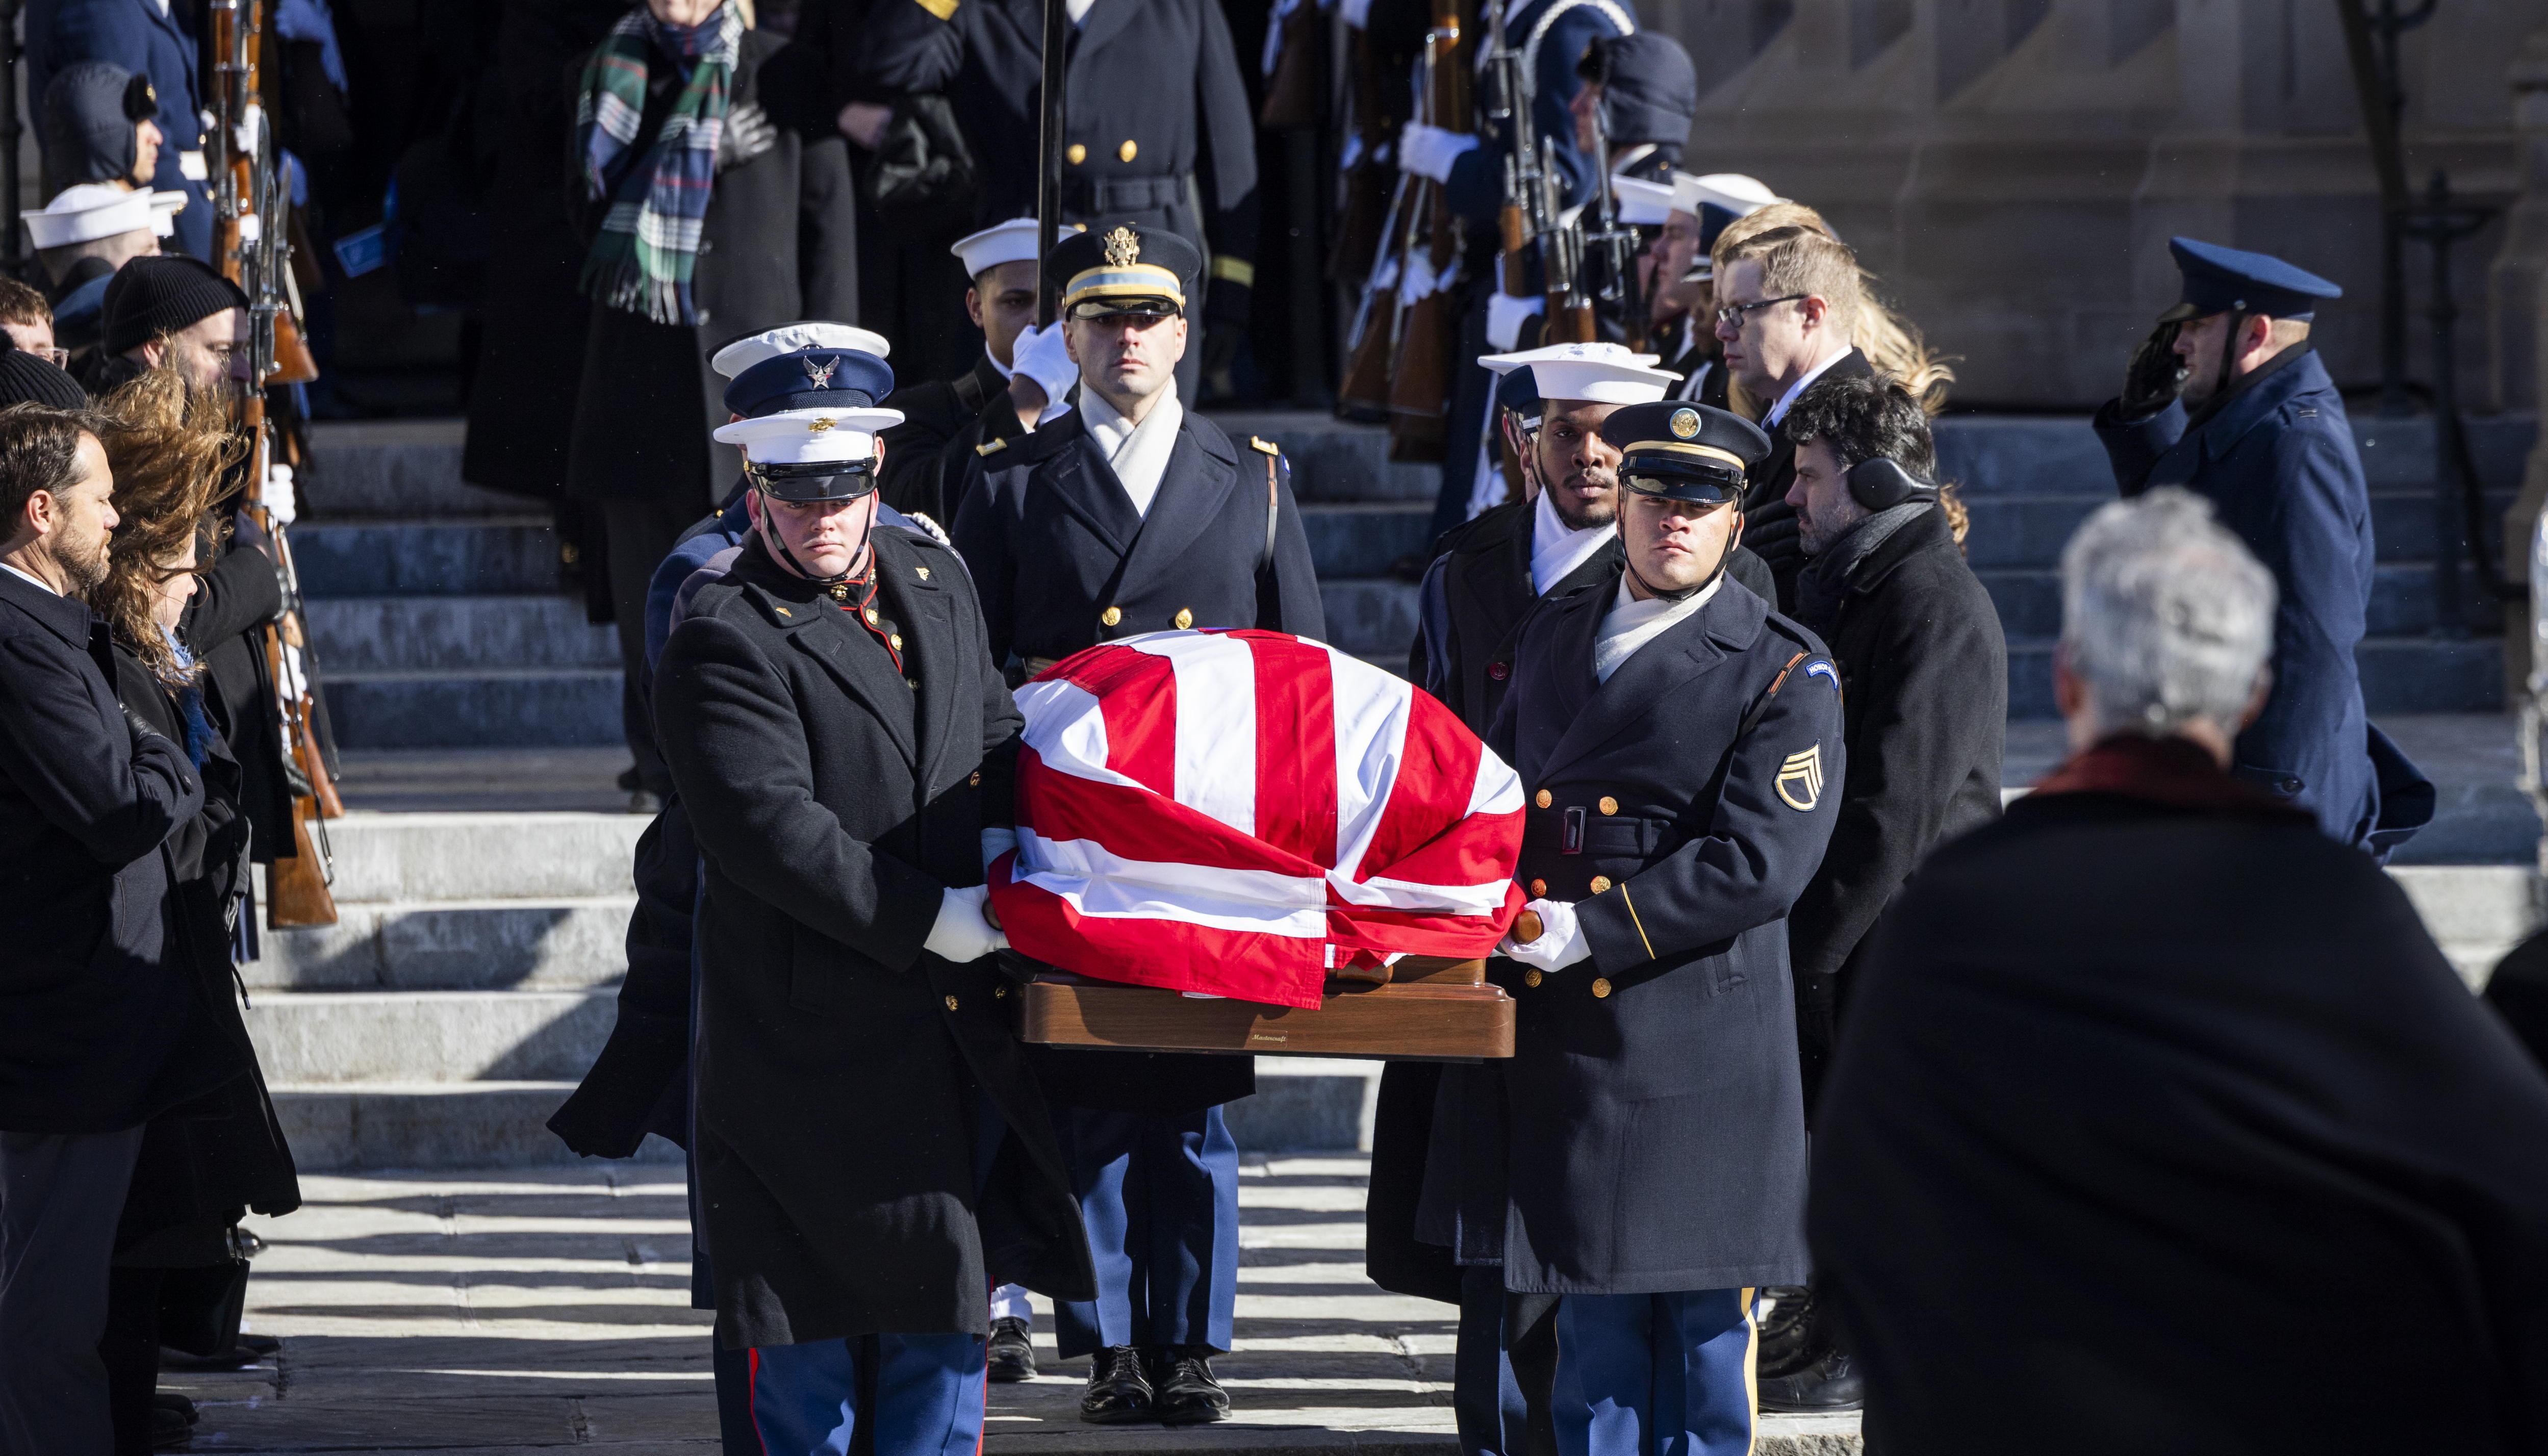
(1513, 233)
(1421, 376)
(296, 884)
(1364, 395)
(1569, 322)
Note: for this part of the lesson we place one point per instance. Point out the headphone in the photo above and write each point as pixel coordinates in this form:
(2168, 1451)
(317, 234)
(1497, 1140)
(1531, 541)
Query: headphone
(1880, 484)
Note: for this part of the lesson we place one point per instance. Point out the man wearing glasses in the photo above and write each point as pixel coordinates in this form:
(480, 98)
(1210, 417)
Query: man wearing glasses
(1785, 303)
(29, 321)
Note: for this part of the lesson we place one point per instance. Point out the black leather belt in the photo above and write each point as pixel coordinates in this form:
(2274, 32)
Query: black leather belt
(1099, 196)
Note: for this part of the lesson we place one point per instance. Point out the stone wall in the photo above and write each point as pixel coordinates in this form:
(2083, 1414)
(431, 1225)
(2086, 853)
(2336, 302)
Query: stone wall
(2013, 168)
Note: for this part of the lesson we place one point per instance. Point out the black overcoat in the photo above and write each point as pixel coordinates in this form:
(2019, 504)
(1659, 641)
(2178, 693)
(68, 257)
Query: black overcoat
(2167, 1126)
(778, 244)
(97, 1010)
(241, 594)
(920, 456)
(1474, 595)
(1769, 521)
(834, 802)
(1657, 1139)
(213, 1155)
(1924, 708)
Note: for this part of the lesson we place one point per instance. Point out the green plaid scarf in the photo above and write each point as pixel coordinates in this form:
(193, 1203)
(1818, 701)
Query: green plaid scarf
(650, 237)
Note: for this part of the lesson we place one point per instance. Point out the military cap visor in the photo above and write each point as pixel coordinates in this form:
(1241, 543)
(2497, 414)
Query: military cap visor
(807, 482)
(2225, 280)
(1693, 453)
(1127, 269)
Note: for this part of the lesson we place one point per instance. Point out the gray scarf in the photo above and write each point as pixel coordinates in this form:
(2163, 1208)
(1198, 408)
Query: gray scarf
(1825, 580)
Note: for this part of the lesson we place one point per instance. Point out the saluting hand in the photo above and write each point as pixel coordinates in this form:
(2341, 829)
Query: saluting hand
(2155, 374)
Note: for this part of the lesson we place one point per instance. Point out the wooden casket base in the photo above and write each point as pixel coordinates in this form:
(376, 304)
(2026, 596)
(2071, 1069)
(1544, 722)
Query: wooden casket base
(1430, 1010)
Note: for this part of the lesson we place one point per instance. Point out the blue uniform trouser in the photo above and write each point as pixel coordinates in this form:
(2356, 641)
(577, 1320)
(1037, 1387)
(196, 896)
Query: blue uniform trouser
(922, 1395)
(1656, 1374)
(1502, 1367)
(1160, 1198)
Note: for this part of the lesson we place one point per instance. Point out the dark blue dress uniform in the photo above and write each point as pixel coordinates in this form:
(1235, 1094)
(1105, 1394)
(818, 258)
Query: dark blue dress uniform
(1655, 1109)
(2274, 454)
(138, 35)
(1064, 560)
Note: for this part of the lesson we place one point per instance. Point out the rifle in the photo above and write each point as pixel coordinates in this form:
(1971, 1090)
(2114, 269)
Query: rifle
(1373, 343)
(1521, 215)
(250, 246)
(1428, 328)
(1614, 246)
(1560, 258)
(1056, 60)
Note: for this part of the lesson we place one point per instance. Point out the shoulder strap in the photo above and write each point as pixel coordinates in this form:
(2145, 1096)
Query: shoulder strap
(1760, 705)
(1273, 496)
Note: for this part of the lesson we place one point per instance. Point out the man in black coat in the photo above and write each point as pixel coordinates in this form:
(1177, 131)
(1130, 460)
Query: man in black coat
(872, 1150)
(99, 1024)
(2160, 1122)
(943, 420)
(1924, 677)
(1563, 534)
(1785, 301)
(1681, 745)
(1157, 131)
(1133, 514)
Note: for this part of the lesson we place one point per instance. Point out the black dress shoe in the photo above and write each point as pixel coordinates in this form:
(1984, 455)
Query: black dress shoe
(1187, 1393)
(1827, 1385)
(169, 1428)
(1791, 1337)
(1117, 1392)
(1012, 1351)
(171, 1401)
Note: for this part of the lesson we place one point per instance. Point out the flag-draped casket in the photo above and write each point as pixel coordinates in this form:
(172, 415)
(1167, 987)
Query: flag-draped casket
(1238, 814)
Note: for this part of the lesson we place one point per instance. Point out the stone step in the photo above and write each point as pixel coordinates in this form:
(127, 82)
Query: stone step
(2029, 530)
(420, 556)
(408, 858)
(2029, 598)
(2474, 912)
(2400, 675)
(531, 707)
(368, 634)
(503, 945)
(394, 468)
(1989, 455)
(429, 1036)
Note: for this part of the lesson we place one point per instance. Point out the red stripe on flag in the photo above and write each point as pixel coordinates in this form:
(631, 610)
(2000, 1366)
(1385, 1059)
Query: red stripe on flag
(1437, 774)
(1136, 824)
(1249, 965)
(1137, 693)
(1295, 745)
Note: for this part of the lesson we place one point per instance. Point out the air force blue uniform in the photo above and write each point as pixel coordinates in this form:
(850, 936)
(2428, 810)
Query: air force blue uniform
(2275, 456)
(138, 35)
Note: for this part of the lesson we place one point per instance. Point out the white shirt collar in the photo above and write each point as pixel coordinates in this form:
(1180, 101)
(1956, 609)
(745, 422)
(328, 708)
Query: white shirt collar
(1139, 453)
(1007, 371)
(1778, 410)
(1557, 548)
(36, 582)
(1632, 623)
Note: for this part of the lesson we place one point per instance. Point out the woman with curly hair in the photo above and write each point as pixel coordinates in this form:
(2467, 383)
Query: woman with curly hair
(205, 1164)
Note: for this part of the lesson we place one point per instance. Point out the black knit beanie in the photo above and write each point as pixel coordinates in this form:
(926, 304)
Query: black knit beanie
(162, 294)
(28, 380)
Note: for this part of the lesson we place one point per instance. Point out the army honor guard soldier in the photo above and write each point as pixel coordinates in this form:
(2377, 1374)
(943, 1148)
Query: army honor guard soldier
(1681, 745)
(843, 742)
(1130, 514)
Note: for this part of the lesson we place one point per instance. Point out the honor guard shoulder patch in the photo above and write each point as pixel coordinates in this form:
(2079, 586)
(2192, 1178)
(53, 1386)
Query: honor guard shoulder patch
(1825, 671)
(1259, 442)
(1800, 780)
(990, 447)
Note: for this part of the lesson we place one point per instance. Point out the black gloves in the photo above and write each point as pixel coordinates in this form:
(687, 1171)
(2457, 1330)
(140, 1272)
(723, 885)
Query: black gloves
(2151, 380)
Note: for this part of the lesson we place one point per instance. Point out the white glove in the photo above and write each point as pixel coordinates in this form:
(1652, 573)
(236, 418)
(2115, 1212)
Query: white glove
(1504, 315)
(1429, 150)
(276, 496)
(995, 843)
(963, 930)
(1561, 940)
(1041, 356)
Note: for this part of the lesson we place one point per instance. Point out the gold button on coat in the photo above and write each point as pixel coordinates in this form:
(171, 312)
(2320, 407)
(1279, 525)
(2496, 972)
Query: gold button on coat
(1110, 616)
(1185, 619)
(1539, 889)
(951, 1001)
(923, 572)
(894, 640)
(1128, 149)
(1600, 988)
(1609, 805)
(976, 782)
(1532, 977)
(1075, 154)
(1600, 884)
(1544, 798)
(871, 616)
(999, 993)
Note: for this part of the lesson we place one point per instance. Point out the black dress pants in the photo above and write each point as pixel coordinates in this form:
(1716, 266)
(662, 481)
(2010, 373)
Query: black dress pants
(60, 1195)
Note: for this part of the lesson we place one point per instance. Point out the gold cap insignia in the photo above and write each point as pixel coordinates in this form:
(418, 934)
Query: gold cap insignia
(1800, 780)
(1123, 249)
(782, 612)
(1685, 424)
(817, 426)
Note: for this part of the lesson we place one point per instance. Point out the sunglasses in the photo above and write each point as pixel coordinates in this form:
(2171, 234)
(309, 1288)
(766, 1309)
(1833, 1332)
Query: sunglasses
(1733, 314)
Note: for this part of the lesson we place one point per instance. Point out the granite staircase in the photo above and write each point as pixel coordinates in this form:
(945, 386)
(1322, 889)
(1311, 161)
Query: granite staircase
(483, 874)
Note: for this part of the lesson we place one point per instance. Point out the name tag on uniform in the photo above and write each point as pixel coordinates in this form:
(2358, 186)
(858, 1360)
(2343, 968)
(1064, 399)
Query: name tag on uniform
(191, 166)
(1570, 836)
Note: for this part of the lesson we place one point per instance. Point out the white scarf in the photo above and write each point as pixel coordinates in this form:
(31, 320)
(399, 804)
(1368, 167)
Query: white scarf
(1139, 453)
(1557, 548)
(1632, 624)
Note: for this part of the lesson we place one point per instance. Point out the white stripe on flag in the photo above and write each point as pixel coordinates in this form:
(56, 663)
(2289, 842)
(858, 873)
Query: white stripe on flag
(1498, 787)
(1215, 723)
(1372, 712)
(1097, 882)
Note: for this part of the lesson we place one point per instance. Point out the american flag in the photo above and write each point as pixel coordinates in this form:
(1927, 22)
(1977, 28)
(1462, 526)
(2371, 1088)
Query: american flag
(1237, 813)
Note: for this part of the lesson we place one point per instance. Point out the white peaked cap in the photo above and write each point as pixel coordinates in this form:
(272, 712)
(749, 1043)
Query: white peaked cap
(1012, 241)
(787, 339)
(1732, 191)
(164, 208)
(1643, 203)
(809, 437)
(87, 212)
(1602, 373)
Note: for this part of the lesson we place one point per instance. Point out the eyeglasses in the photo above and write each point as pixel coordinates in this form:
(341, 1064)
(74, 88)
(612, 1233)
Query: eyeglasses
(1732, 315)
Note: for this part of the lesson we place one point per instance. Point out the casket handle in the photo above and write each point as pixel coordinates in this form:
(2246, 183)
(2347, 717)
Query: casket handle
(1526, 928)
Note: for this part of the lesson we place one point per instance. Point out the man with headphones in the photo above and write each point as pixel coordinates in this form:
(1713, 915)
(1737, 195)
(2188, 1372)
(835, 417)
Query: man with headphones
(1680, 744)
(1924, 672)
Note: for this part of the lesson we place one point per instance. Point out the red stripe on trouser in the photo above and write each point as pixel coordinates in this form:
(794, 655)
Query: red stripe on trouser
(752, 1402)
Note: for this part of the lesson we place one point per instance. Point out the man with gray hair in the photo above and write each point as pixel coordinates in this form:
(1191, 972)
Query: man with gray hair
(2159, 1121)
